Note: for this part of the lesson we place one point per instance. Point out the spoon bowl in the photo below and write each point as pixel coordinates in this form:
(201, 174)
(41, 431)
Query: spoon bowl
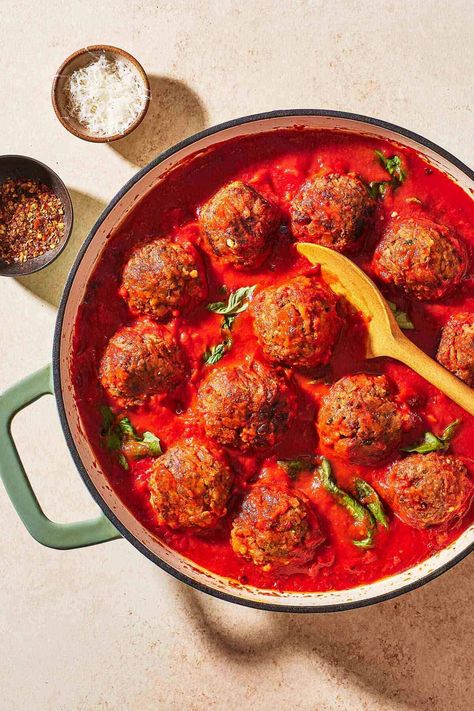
(385, 337)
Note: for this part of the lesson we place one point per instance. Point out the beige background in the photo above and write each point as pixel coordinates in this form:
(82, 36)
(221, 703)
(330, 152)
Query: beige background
(103, 628)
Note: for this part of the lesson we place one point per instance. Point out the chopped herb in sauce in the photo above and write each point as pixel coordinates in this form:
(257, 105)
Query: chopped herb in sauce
(122, 460)
(367, 509)
(293, 467)
(215, 353)
(358, 512)
(120, 435)
(237, 303)
(433, 443)
(369, 498)
(108, 431)
(401, 317)
(377, 189)
(394, 167)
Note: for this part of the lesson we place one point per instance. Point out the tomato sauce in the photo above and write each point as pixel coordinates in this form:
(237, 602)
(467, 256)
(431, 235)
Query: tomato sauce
(276, 164)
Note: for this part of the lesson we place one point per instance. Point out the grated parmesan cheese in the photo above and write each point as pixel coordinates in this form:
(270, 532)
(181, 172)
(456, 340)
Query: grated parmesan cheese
(105, 96)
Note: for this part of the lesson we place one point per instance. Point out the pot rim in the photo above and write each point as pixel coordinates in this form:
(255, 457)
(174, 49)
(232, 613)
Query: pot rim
(164, 155)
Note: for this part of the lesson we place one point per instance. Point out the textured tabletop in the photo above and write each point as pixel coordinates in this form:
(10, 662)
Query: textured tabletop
(103, 628)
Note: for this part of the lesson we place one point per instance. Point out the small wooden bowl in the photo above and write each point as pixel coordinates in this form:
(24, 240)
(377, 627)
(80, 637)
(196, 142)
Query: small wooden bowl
(18, 167)
(80, 59)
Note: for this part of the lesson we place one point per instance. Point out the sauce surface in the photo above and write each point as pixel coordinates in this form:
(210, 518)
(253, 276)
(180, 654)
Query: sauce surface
(277, 164)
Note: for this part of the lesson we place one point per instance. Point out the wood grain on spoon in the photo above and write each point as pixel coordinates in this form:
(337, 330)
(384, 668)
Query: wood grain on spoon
(384, 335)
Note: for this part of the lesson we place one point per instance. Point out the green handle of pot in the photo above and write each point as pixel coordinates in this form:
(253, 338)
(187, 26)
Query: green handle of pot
(18, 487)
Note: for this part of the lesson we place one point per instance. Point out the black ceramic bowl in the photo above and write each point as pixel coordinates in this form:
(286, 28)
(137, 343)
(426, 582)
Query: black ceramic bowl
(18, 167)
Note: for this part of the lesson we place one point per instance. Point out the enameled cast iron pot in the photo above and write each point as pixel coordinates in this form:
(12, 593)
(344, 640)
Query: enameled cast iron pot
(116, 519)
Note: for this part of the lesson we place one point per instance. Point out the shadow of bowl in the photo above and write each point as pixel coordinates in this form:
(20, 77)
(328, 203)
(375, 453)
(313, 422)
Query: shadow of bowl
(174, 113)
(48, 284)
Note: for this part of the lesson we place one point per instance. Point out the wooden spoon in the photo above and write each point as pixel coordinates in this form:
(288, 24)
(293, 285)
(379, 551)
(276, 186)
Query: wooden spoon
(384, 335)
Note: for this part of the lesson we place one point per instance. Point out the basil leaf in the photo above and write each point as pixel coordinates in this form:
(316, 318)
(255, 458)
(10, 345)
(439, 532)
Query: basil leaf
(126, 428)
(215, 353)
(108, 419)
(378, 188)
(146, 445)
(393, 166)
(358, 512)
(112, 440)
(401, 317)
(108, 430)
(433, 443)
(228, 321)
(293, 467)
(369, 498)
(121, 436)
(366, 542)
(450, 431)
(122, 460)
(153, 443)
(237, 302)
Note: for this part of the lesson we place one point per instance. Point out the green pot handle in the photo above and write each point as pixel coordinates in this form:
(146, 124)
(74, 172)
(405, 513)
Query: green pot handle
(17, 485)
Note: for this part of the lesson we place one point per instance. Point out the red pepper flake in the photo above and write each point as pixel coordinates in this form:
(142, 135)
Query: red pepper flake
(31, 220)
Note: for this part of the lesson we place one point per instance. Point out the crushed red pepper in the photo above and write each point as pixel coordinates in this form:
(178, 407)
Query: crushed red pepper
(31, 220)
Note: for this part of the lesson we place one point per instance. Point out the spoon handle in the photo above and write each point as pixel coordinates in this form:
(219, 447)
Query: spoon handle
(406, 352)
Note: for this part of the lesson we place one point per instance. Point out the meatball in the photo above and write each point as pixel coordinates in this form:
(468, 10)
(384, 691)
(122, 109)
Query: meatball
(332, 210)
(359, 420)
(456, 347)
(141, 360)
(420, 257)
(275, 528)
(163, 276)
(189, 485)
(238, 224)
(429, 489)
(246, 406)
(297, 323)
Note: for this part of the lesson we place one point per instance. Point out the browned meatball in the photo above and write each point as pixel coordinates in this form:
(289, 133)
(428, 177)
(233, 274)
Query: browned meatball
(456, 347)
(359, 420)
(420, 257)
(163, 276)
(139, 361)
(190, 485)
(246, 406)
(297, 322)
(429, 489)
(239, 224)
(275, 528)
(332, 210)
